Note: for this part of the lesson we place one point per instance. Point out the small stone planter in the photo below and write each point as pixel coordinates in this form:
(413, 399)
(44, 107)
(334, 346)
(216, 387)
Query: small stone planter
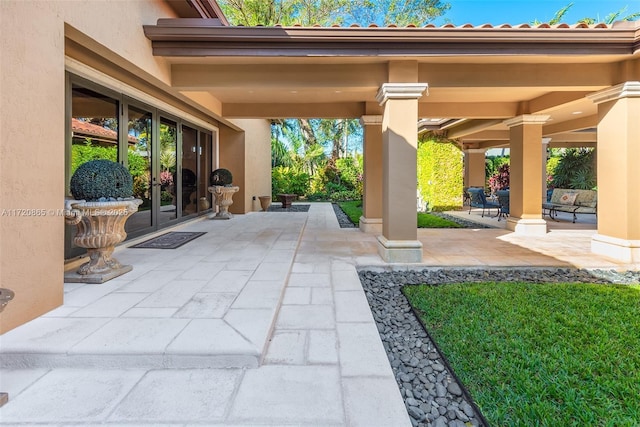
(100, 227)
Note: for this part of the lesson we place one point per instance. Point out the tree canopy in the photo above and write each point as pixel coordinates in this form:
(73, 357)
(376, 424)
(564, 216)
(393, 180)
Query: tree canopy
(619, 15)
(332, 12)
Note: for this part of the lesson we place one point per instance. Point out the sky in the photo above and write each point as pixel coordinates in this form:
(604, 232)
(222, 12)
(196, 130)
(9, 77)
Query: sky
(496, 12)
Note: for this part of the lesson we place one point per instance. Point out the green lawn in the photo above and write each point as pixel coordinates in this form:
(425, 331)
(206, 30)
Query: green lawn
(353, 209)
(540, 354)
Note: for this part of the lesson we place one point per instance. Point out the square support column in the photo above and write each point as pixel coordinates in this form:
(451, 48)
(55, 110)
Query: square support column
(371, 219)
(399, 240)
(526, 175)
(474, 167)
(618, 234)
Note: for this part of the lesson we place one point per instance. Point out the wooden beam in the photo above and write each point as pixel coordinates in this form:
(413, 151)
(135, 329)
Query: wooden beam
(274, 110)
(470, 127)
(554, 100)
(496, 135)
(570, 125)
(274, 76)
(479, 110)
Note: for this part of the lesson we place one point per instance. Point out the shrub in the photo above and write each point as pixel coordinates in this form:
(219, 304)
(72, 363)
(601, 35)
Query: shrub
(576, 169)
(101, 179)
(440, 174)
(500, 180)
(286, 180)
(493, 163)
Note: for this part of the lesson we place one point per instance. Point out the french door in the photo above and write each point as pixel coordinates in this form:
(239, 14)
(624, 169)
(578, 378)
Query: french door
(169, 159)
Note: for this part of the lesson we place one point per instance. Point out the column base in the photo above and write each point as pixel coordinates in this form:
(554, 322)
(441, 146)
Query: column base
(371, 225)
(399, 251)
(627, 251)
(529, 227)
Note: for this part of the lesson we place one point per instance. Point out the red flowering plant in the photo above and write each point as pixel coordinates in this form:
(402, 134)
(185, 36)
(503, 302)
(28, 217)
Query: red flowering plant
(500, 180)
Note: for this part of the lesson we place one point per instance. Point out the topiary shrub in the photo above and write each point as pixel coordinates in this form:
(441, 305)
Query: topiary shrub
(100, 180)
(220, 177)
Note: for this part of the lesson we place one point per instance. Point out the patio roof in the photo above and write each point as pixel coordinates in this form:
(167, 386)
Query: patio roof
(478, 76)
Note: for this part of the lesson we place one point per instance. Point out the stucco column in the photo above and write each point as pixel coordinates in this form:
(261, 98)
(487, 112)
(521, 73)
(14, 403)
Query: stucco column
(371, 219)
(399, 240)
(545, 147)
(618, 234)
(526, 175)
(474, 167)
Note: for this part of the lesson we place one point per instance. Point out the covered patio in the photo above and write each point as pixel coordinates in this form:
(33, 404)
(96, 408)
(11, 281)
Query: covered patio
(522, 87)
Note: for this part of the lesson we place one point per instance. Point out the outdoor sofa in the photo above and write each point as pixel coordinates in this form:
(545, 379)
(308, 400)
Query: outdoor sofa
(571, 201)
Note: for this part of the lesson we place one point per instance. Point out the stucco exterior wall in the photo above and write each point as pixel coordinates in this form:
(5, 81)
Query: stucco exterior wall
(31, 159)
(247, 154)
(32, 130)
(257, 161)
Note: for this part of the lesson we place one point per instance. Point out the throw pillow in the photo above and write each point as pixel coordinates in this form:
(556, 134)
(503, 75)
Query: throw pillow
(568, 198)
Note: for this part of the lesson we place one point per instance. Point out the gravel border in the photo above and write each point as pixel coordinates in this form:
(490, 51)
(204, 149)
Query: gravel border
(343, 219)
(432, 393)
(292, 208)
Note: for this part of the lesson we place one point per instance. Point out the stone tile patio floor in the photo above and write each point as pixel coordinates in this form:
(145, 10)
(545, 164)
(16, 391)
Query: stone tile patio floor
(261, 321)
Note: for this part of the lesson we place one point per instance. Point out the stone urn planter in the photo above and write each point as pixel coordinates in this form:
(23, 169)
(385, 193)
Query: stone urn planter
(223, 198)
(100, 227)
(103, 191)
(220, 186)
(265, 202)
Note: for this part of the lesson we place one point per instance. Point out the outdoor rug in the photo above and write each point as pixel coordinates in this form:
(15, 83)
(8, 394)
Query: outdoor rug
(294, 208)
(171, 240)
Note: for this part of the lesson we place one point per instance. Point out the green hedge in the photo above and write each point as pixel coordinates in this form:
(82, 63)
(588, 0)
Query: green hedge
(440, 175)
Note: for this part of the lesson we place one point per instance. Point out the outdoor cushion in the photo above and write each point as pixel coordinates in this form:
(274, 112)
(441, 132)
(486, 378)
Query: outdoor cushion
(568, 198)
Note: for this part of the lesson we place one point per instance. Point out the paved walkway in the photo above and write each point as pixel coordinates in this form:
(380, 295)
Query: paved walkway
(261, 321)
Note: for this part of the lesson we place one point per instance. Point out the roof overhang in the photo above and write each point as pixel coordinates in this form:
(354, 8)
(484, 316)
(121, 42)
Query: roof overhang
(477, 76)
(182, 38)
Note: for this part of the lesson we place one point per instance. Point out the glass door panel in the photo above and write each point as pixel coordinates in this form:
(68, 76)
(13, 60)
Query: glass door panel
(204, 159)
(167, 208)
(94, 126)
(189, 182)
(139, 158)
(94, 135)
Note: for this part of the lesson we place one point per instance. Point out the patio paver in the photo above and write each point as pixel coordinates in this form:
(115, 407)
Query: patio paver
(261, 321)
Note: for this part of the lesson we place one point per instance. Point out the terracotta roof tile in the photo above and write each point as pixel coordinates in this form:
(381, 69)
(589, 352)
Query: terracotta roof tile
(86, 128)
(525, 25)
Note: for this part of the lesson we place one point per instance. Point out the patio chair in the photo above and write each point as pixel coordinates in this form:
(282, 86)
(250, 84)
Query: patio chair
(479, 200)
(503, 201)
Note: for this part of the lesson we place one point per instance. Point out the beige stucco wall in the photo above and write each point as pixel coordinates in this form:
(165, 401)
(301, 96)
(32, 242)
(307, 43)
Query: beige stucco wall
(32, 129)
(618, 172)
(257, 161)
(31, 158)
(247, 155)
(474, 168)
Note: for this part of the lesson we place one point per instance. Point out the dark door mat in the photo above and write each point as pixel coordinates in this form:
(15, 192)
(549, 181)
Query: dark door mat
(171, 240)
(292, 208)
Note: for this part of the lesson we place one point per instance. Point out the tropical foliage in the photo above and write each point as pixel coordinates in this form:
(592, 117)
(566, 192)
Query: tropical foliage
(500, 179)
(440, 174)
(576, 168)
(619, 15)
